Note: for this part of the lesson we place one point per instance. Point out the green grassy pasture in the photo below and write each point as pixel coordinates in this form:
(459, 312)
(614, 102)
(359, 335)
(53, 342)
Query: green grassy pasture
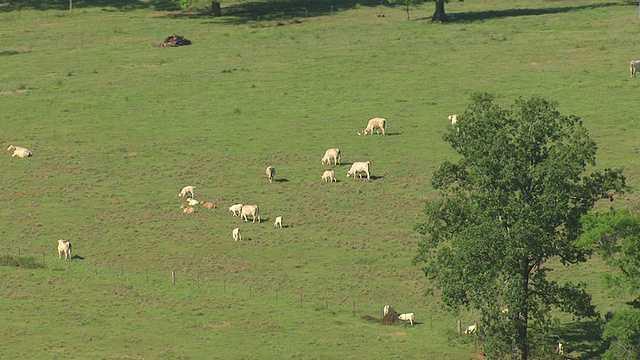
(119, 126)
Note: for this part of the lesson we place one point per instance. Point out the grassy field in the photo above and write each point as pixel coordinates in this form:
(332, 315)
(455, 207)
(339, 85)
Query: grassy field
(119, 126)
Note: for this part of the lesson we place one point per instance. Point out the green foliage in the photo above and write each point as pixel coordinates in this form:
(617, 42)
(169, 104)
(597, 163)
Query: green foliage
(185, 4)
(509, 204)
(624, 334)
(615, 235)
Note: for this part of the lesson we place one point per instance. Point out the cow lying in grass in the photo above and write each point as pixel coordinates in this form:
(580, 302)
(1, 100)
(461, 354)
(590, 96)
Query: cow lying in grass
(19, 151)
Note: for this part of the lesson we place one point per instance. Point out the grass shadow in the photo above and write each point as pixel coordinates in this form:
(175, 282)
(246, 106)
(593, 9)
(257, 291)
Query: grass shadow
(280, 180)
(121, 5)
(467, 17)
(584, 337)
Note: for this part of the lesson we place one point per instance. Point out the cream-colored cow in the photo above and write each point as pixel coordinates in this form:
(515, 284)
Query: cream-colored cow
(376, 123)
(64, 247)
(329, 176)
(19, 151)
(360, 167)
(250, 210)
(331, 154)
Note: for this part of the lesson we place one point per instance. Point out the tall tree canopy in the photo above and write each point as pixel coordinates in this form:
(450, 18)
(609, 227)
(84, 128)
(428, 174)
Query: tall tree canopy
(511, 202)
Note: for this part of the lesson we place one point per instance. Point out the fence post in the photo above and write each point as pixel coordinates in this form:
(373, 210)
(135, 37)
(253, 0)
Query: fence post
(173, 278)
(458, 326)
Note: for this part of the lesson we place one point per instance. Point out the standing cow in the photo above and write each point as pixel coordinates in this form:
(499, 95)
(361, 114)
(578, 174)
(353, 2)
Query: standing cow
(634, 66)
(357, 168)
(376, 123)
(271, 172)
(64, 247)
(250, 210)
(331, 154)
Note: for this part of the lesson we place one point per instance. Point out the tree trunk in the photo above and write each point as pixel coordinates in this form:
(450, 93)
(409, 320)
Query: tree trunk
(439, 15)
(521, 350)
(215, 8)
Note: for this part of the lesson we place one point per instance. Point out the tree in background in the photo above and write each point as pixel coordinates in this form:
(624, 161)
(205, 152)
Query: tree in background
(512, 201)
(216, 9)
(615, 235)
(438, 16)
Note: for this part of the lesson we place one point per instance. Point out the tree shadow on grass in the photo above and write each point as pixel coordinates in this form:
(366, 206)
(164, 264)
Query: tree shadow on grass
(585, 338)
(479, 16)
(281, 10)
(122, 5)
(284, 11)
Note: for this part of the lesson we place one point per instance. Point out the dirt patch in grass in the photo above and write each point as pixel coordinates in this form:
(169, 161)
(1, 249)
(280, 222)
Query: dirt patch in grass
(14, 92)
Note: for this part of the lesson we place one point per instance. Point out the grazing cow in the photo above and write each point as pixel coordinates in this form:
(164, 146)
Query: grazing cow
(236, 209)
(471, 329)
(187, 209)
(271, 172)
(193, 202)
(250, 210)
(634, 65)
(278, 223)
(331, 154)
(64, 247)
(185, 190)
(19, 151)
(376, 123)
(560, 348)
(453, 119)
(406, 317)
(329, 176)
(360, 167)
(389, 310)
(208, 204)
(237, 234)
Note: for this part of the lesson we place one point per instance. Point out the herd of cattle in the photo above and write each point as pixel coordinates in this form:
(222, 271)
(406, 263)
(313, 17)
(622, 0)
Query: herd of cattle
(333, 155)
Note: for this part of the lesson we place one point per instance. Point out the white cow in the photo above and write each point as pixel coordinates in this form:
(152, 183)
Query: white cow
(406, 317)
(453, 119)
(237, 234)
(634, 66)
(271, 172)
(360, 167)
(250, 210)
(331, 154)
(278, 223)
(388, 309)
(329, 176)
(64, 247)
(560, 348)
(471, 329)
(19, 151)
(185, 190)
(236, 209)
(192, 202)
(376, 123)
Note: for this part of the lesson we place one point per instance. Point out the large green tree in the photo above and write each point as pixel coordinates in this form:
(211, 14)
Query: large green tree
(511, 201)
